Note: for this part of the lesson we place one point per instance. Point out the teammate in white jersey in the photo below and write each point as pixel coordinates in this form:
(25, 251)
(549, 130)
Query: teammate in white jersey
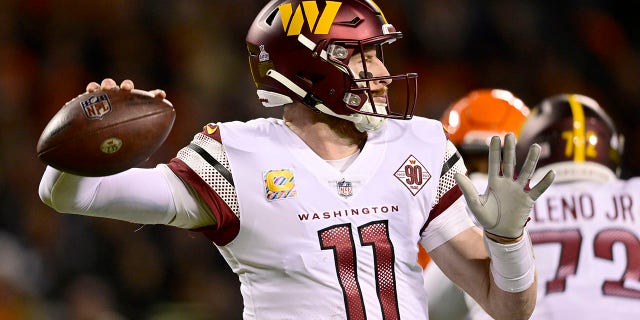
(586, 227)
(470, 122)
(320, 213)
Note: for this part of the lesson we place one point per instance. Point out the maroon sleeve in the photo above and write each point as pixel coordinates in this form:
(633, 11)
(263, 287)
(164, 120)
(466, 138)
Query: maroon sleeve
(448, 189)
(445, 202)
(227, 223)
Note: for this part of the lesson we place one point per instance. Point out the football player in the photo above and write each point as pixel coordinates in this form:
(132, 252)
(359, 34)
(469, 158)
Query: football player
(586, 227)
(471, 122)
(319, 213)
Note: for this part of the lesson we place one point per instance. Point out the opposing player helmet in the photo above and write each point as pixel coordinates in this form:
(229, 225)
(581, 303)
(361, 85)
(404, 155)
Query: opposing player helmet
(300, 50)
(472, 120)
(578, 139)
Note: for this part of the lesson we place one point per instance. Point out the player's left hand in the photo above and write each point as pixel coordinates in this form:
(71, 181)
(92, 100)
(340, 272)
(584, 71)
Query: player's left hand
(110, 84)
(504, 208)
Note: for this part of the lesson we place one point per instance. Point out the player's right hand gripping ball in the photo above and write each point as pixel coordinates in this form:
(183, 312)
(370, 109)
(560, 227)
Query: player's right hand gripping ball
(105, 132)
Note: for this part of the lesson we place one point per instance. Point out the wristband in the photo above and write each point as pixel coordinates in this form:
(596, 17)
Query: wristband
(512, 265)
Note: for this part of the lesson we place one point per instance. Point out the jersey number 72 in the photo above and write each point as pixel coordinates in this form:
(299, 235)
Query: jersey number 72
(570, 241)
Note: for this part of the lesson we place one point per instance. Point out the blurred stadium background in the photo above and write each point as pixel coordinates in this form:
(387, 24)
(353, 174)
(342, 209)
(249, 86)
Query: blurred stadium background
(55, 266)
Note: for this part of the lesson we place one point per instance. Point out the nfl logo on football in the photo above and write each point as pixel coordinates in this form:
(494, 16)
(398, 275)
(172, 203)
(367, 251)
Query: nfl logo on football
(345, 188)
(96, 107)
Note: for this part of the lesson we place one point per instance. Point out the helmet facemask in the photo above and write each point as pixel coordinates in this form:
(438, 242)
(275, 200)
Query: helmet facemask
(300, 51)
(358, 80)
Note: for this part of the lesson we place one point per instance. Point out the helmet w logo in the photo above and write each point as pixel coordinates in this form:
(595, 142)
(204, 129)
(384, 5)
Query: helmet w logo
(293, 21)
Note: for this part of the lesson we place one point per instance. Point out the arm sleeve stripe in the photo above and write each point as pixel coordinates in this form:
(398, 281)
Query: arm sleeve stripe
(445, 202)
(449, 163)
(213, 162)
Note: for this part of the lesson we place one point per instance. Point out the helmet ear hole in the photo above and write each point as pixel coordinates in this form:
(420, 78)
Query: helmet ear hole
(307, 80)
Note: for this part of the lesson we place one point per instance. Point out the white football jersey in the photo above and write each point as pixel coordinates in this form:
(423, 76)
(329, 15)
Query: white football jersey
(586, 238)
(308, 241)
(586, 241)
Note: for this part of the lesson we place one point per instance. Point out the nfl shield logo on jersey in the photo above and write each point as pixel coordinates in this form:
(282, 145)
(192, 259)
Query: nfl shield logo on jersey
(345, 188)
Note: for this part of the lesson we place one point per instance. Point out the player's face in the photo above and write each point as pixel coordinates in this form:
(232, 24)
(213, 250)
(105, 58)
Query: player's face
(369, 65)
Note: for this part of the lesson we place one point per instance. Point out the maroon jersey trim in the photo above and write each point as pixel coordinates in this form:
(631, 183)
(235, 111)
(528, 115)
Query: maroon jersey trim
(445, 202)
(227, 224)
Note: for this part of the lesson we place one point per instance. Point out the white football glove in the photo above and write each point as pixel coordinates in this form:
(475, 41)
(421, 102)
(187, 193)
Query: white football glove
(504, 208)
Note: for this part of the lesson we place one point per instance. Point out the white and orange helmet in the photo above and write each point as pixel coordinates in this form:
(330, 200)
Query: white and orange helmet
(472, 120)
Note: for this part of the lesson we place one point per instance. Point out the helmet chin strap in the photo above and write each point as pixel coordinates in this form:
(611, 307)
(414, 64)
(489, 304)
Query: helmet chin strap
(362, 122)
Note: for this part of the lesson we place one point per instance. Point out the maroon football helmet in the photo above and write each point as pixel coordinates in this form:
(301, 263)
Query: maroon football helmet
(299, 51)
(578, 139)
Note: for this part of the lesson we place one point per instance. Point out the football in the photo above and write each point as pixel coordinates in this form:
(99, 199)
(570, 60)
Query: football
(105, 132)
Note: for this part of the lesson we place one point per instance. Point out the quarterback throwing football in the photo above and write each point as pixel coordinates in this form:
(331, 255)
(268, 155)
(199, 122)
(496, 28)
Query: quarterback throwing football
(320, 213)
